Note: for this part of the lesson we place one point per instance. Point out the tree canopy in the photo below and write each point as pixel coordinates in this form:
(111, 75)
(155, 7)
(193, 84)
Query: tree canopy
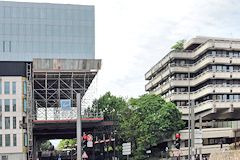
(178, 46)
(46, 146)
(145, 121)
(150, 120)
(67, 143)
(110, 105)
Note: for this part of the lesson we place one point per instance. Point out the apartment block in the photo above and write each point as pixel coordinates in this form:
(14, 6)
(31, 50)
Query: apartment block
(205, 75)
(39, 32)
(13, 136)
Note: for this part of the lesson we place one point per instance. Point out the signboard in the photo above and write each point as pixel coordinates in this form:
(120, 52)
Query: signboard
(65, 104)
(90, 144)
(126, 148)
(198, 137)
(84, 155)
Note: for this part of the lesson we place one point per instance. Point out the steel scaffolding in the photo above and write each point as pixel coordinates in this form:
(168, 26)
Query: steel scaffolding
(52, 87)
(29, 111)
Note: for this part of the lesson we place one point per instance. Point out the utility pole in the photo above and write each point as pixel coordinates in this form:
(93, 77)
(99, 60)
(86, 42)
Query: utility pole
(192, 130)
(189, 118)
(79, 128)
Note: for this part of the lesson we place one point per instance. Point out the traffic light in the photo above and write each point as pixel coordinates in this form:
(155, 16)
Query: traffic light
(177, 140)
(84, 142)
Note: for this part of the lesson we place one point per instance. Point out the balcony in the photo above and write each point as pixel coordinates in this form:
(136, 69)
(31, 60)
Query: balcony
(210, 44)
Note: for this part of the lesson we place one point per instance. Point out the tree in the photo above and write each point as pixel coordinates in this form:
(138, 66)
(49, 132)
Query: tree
(46, 146)
(109, 105)
(178, 46)
(67, 143)
(148, 121)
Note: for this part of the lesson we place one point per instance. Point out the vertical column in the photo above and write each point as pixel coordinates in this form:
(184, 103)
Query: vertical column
(79, 128)
(192, 130)
(46, 96)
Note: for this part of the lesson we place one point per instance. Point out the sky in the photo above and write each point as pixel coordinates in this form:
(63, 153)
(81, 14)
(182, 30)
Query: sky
(133, 35)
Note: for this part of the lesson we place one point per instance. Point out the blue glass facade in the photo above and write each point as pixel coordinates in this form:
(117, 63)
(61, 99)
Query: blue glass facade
(41, 30)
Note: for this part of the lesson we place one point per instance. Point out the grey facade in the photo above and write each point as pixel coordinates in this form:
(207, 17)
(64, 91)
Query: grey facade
(41, 30)
(206, 73)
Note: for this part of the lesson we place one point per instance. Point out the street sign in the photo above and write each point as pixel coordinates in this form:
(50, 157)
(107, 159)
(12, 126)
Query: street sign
(126, 148)
(90, 144)
(84, 155)
(198, 138)
(148, 151)
(65, 104)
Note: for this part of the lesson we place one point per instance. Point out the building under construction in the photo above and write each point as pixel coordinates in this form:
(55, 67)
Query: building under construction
(47, 56)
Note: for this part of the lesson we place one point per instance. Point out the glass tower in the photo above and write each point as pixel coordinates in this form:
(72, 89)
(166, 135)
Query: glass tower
(42, 30)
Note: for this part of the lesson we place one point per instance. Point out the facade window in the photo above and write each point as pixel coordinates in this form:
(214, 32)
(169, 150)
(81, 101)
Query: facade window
(0, 86)
(14, 123)
(7, 140)
(14, 140)
(6, 87)
(13, 87)
(4, 157)
(14, 105)
(0, 121)
(25, 105)
(7, 105)
(25, 88)
(7, 122)
(7, 45)
(0, 105)
(0, 140)
(25, 140)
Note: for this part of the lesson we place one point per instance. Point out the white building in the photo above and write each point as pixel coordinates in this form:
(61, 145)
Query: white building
(13, 137)
(210, 68)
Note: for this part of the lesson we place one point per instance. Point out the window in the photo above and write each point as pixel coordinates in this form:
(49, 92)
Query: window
(7, 105)
(13, 87)
(14, 105)
(0, 105)
(25, 105)
(4, 157)
(7, 122)
(7, 140)
(14, 122)
(0, 140)
(7, 45)
(0, 122)
(14, 140)
(0, 86)
(6, 87)
(25, 140)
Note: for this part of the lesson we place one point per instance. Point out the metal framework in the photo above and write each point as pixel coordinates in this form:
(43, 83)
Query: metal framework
(52, 87)
(51, 80)
(29, 111)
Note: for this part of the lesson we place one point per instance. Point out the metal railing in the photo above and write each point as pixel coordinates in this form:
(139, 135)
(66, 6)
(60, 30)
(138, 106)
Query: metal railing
(61, 114)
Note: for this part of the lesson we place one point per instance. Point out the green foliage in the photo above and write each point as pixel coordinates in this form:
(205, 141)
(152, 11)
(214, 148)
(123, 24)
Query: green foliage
(178, 46)
(67, 144)
(145, 121)
(148, 121)
(46, 146)
(110, 105)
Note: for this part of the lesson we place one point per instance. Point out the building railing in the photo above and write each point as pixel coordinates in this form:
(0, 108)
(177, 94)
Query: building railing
(61, 114)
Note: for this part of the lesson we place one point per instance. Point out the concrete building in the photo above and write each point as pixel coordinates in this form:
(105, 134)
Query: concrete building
(50, 39)
(209, 68)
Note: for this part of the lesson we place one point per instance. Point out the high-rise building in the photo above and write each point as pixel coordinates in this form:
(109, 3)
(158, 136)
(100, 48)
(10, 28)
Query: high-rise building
(41, 37)
(206, 74)
(40, 30)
